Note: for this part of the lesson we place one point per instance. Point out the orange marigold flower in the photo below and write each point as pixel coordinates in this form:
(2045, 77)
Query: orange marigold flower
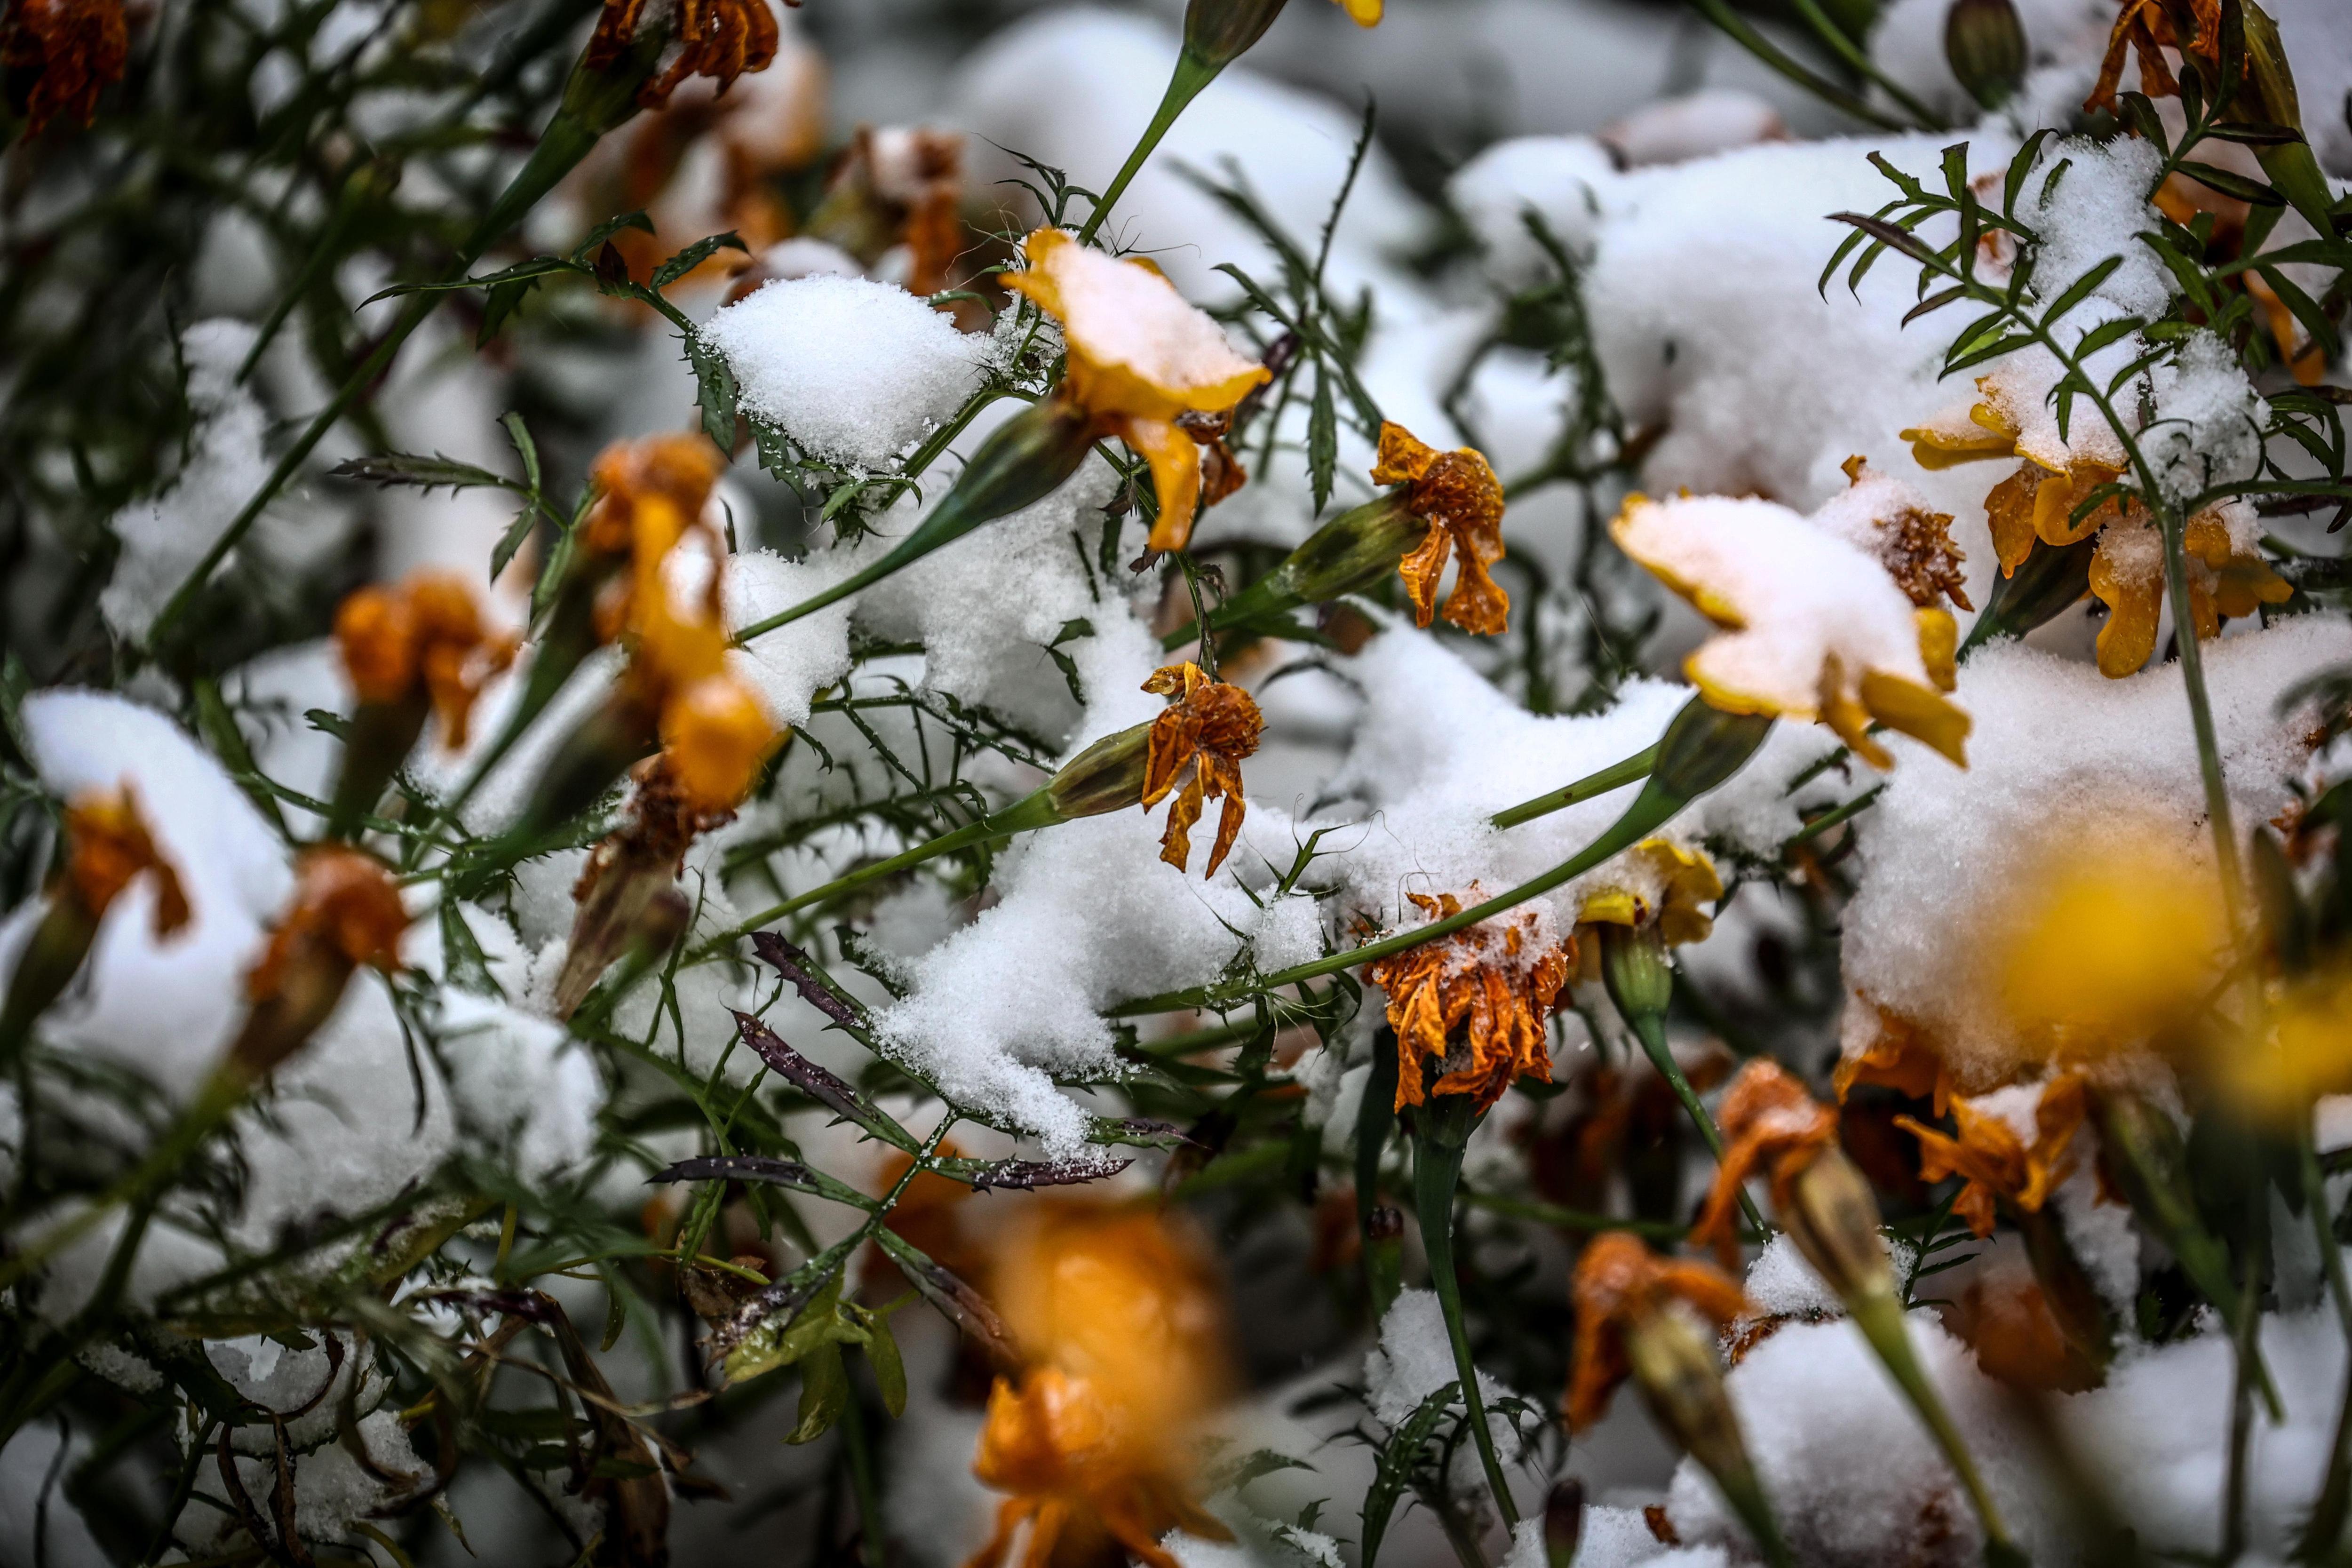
(2145, 27)
(1619, 1283)
(712, 728)
(1080, 1481)
(1997, 1163)
(108, 847)
(721, 39)
(345, 903)
(423, 637)
(1477, 1000)
(1210, 726)
(58, 55)
(1767, 1119)
(1900, 1057)
(1140, 357)
(1458, 493)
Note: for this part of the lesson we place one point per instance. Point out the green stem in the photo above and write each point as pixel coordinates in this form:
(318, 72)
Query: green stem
(1185, 84)
(2326, 1526)
(1831, 33)
(1880, 1318)
(1440, 1129)
(2241, 1409)
(1616, 775)
(1032, 811)
(873, 1542)
(1650, 1028)
(2200, 707)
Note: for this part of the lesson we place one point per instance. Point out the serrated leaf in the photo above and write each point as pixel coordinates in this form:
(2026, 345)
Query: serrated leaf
(715, 391)
(2105, 333)
(954, 1300)
(432, 473)
(821, 1085)
(326, 721)
(2020, 168)
(763, 1168)
(607, 229)
(462, 959)
(503, 301)
(1892, 236)
(1322, 438)
(694, 256)
(1397, 1460)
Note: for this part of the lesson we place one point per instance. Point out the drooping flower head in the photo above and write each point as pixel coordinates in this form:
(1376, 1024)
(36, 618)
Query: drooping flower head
(422, 638)
(58, 55)
(1461, 497)
(347, 911)
(1769, 1123)
(1209, 729)
(1477, 1000)
(721, 39)
(1141, 358)
(1891, 523)
(1813, 627)
(1621, 1283)
(1656, 882)
(108, 847)
(1997, 1163)
(1115, 1312)
(651, 499)
(2148, 28)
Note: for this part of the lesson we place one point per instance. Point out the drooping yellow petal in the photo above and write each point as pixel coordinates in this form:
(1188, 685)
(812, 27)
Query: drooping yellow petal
(1363, 13)
(1919, 711)
(1175, 476)
(1136, 346)
(1940, 643)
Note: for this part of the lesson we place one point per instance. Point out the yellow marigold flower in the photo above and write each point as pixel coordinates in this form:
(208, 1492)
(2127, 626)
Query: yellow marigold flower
(1656, 880)
(2226, 578)
(1477, 1001)
(108, 847)
(423, 637)
(1814, 629)
(1140, 357)
(721, 39)
(651, 499)
(2114, 948)
(1211, 727)
(2000, 1166)
(1621, 1283)
(1461, 497)
(2307, 1052)
(1081, 1484)
(1363, 13)
(58, 55)
(1767, 1120)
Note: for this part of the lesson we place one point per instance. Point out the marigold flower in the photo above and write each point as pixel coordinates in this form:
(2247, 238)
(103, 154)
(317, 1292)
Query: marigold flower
(423, 638)
(1080, 1481)
(1901, 1055)
(721, 39)
(1140, 357)
(2145, 27)
(1462, 500)
(1768, 1120)
(628, 893)
(899, 186)
(1619, 1283)
(1813, 629)
(1998, 1165)
(1888, 520)
(347, 911)
(1477, 1000)
(711, 727)
(2226, 578)
(108, 847)
(1211, 727)
(58, 55)
(1657, 881)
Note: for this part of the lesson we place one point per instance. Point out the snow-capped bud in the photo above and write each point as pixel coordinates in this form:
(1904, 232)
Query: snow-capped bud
(1673, 1362)
(1985, 44)
(346, 912)
(1832, 1216)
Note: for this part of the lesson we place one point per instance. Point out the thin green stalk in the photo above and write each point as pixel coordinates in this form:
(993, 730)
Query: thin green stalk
(1831, 33)
(1616, 775)
(2242, 1412)
(1032, 811)
(873, 1542)
(1441, 1129)
(1880, 1318)
(2200, 707)
(2326, 1526)
(1185, 84)
(1650, 1029)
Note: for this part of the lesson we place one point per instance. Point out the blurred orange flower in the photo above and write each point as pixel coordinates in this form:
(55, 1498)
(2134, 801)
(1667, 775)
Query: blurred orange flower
(1619, 1283)
(108, 847)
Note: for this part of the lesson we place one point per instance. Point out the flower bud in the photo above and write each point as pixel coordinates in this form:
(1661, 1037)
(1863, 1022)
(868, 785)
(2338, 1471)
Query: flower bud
(627, 896)
(1219, 32)
(1346, 555)
(1563, 1521)
(1703, 747)
(1384, 1258)
(2050, 581)
(1985, 44)
(1634, 966)
(1107, 776)
(1832, 1216)
(1674, 1366)
(347, 911)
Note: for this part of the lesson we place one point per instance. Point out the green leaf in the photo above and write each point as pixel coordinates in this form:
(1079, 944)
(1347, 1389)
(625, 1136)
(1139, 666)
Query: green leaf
(889, 1370)
(536, 267)
(461, 955)
(616, 1310)
(505, 299)
(715, 391)
(2082, 288)
(511, 540)
(607, 230)
(1397, 1460)
(426, 473)
(2254, 191)
(2019, 167)
(825, 1390)
(326, 721)
(525, 449)
(2105, 333)
(1322, 438)
(2254, 132)
(2305, 309)
(1232, 1475)
(694, 256)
